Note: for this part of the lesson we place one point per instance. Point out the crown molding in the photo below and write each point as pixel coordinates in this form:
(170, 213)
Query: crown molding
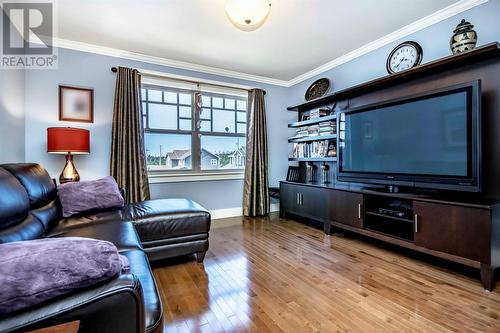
(123, 54)
(420, 24)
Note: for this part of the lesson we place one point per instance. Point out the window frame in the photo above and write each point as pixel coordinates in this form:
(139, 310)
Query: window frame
(196, 172)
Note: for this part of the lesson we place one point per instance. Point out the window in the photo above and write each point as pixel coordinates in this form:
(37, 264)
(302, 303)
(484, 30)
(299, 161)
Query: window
(182, 137)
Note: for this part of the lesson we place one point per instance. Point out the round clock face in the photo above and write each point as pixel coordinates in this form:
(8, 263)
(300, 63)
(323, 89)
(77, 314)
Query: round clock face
(404, 56)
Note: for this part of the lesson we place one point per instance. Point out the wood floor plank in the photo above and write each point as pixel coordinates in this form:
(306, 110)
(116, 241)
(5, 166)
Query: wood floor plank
(269, 274)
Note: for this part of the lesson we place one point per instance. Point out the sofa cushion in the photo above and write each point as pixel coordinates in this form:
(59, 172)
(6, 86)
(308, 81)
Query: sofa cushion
(153, 219)
(139, 266)
(123, 234)
(27, 229)
(32, 272)
(80, 197)
(48, 215)
(82, 221)
(14, 201)
(36, 180)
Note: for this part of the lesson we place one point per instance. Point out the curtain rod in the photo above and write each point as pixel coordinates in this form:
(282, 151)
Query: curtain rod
(115, 69)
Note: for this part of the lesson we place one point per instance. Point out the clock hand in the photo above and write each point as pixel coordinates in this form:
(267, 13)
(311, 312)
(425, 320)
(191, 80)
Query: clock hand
(404, 59)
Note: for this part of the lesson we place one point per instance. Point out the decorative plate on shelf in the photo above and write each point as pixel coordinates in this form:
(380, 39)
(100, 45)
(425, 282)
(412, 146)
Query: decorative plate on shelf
(317, 89)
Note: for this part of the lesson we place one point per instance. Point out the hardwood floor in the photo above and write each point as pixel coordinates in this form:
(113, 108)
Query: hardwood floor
(272, 275)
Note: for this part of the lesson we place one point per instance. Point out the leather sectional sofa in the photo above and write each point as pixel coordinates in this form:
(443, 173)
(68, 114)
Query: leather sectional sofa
(143, 232)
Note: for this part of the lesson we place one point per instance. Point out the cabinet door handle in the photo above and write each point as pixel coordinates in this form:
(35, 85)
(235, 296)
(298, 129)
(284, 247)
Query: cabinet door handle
(298, 198)
(301, 199)
(359, 211)
(415, 222)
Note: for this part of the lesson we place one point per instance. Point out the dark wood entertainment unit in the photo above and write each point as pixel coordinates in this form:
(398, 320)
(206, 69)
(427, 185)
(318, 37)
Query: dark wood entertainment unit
(460, 231)
(463, 228)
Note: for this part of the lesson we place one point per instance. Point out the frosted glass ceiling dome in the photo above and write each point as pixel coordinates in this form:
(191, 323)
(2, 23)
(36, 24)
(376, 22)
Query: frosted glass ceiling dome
(248, 15)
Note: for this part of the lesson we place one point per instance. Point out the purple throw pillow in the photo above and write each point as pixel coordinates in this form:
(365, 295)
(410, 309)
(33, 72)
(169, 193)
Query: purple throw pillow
(79, 197)
(35, 271)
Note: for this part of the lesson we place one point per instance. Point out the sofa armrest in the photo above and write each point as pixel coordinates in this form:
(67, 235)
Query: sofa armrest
(113, 306)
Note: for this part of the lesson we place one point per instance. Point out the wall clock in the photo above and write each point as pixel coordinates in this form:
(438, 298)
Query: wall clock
(404, 56)
(317, 89)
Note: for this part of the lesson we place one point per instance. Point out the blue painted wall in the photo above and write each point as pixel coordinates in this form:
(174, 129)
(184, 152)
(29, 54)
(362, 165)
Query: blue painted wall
(92, 70)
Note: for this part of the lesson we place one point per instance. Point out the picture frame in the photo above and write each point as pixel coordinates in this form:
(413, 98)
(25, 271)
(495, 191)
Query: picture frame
(76, 104)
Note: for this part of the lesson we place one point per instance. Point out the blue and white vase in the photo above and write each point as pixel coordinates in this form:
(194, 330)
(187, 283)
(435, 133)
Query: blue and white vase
(464, 37)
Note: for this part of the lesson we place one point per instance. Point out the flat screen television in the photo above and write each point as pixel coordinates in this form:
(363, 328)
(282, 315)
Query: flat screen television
(430, 140)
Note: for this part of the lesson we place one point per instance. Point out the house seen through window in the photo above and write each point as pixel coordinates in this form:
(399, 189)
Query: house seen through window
(193, 131)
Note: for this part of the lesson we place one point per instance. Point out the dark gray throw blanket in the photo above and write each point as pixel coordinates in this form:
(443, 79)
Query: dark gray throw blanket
(35, 271)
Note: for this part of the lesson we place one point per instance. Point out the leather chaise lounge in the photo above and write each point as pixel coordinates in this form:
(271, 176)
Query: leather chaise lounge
(143, 232)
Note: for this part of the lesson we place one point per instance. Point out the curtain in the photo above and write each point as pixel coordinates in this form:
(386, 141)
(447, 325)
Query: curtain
(256, 183)
(128, 161)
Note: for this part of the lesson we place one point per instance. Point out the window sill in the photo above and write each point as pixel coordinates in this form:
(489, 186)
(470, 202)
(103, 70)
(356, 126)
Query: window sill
(167, 177)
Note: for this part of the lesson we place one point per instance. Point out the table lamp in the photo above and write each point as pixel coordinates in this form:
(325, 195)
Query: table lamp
(68, 141)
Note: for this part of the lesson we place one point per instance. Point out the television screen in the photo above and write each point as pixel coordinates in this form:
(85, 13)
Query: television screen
(423, 137)
(432, 136)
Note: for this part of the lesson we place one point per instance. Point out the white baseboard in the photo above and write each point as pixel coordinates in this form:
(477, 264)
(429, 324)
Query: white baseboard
(226, 212)
(236, 211)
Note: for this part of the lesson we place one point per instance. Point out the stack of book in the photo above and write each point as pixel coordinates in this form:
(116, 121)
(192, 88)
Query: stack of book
(301, 132)
(313, 130)
(321, 112)
(327, 128)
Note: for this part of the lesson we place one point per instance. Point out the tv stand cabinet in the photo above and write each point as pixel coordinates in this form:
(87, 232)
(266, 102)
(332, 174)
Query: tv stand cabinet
(463, 231)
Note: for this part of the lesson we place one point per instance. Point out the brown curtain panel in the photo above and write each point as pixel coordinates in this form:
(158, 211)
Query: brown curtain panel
(128, 160)
(256, 183)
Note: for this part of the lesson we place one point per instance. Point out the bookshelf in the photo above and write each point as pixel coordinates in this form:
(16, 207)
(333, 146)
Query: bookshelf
(314, 143)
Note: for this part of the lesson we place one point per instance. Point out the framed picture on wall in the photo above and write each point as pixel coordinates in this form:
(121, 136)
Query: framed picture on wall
(76, 104)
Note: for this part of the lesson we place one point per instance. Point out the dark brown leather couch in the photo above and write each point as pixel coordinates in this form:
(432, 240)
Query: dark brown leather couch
(143, 232)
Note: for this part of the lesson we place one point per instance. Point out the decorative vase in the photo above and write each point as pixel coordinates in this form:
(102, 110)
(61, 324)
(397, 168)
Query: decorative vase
(324, 173)
(464, 37)
(310, 173)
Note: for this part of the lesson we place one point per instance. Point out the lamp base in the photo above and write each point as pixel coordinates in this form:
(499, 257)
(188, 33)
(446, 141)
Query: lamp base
(69, 173)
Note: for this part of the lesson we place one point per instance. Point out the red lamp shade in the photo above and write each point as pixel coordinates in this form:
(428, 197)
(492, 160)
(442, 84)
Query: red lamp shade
(64, 140)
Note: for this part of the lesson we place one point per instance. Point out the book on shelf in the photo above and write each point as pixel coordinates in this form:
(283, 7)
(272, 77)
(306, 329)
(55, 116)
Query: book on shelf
(327, 124)
(320, 112)
(300, 132)
(316, 149)
(313, 130)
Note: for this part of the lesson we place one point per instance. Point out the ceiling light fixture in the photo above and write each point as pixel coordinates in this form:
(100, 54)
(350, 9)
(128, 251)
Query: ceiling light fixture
(248, 15)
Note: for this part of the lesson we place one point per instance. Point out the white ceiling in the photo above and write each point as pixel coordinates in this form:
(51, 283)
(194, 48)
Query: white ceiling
(299, 35)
